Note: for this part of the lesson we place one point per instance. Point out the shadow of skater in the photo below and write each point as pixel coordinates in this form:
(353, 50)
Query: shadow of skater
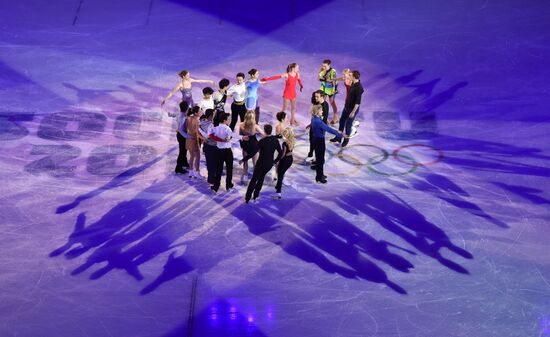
(480, 155)
(439, 99)
(420, 93)
(144, 99)
(370, 81)
(118, 181)
(398, 82)
(528, 193)
(101, 97)
(138, 230)
(128, 234)
(445, 189)
(324, 239)
(174, 267)
(121, 217)
(400, 218)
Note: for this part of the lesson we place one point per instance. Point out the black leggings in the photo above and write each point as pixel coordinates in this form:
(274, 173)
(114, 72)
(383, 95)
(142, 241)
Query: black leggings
(284, 165)
(237, 111)
(257, 181)
(319, 148)
(311, 147)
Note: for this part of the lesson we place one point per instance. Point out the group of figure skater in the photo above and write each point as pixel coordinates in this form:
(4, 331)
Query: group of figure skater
(206, 124)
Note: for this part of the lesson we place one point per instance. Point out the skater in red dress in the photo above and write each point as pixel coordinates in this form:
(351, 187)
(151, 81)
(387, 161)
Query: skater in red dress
(292, 76)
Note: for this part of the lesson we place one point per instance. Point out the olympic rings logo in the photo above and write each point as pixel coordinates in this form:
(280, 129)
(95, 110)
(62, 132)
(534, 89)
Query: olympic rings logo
(377, 162)
(439, 157)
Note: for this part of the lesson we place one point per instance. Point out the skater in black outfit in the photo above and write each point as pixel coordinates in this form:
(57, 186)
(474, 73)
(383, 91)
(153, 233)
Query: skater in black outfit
(248, 130)
(267, 147)
(353, 101)
(181, 164)
(318, 97)
(286, 159)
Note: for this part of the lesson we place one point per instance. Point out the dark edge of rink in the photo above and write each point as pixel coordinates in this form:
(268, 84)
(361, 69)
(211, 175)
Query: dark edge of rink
(191, 317)
(77, 12)
(149, 10)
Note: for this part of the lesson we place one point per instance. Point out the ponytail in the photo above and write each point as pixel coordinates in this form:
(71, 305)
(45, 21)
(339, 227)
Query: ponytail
(290, 66)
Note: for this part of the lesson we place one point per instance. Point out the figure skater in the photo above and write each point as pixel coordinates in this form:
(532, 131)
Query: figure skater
(249, 144)
(209, 146)
(351, 107)
(238, 92)
(220, 96)
(181, 133)
(327, 76)
(223, 134)
(207, 101)
(192, 142)
(185, 87)
(279, 128)
(286, 159)
(347, 77)
(281, 123)
(292, 76)
(267, 147)
(317, 98)
(318, 128)
(252, 85)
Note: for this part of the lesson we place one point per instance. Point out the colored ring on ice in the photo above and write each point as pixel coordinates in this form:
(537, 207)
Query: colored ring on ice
(399, 156)
(383, 153)
(373, 163)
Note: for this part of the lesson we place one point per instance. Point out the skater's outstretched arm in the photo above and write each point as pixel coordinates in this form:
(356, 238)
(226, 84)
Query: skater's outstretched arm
(272, 78)
(192, 80)
(171, 93)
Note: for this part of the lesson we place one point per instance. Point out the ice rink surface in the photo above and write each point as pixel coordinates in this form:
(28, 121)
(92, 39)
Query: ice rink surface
(434, 221)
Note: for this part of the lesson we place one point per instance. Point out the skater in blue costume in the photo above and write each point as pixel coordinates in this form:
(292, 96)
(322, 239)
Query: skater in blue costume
(252, 85)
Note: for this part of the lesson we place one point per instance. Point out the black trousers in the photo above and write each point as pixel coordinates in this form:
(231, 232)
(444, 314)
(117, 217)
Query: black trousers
(257, 181)
(319, 146)
(346, 122)
(225, 156)
(284, 165)
(182, 155)
(311, 147)
(237, 111)
(257, 114)
(211, 156)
